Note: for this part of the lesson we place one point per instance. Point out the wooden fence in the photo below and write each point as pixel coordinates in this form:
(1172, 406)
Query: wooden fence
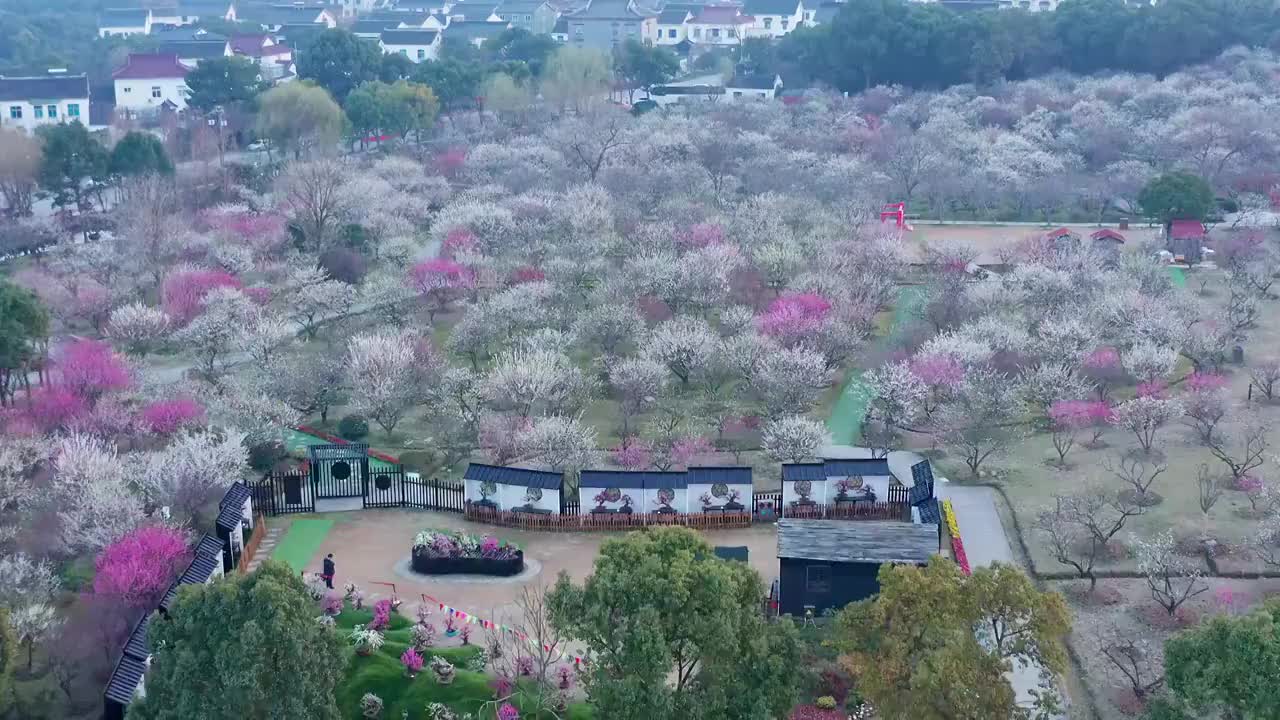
(850, 511)
(255, 539)
(611, 521)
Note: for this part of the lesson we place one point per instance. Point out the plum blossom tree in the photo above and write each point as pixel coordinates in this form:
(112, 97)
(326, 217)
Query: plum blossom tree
(794, 318)
(220, 330)
(632, 454)
(1144, 416)
(608, 327)
(1264, 377)
(561, 443)
(501, 436)
(537, 382)
(1242, 444)
(194, 468)
(438, 282)
(1206, 404)
(138, 327)
(1171, 578)
(685, 345)
(1149, 362)
(183, 291)
(1103, 368)
(789, 381)
(95, 502)
(639, 383)
(793, 438)
(308, 382)
(266, 337)
(899, 395)
(165, 417)
(90, 369)
(139, 567)
(386, 373)
(313, 298)
(979, 423)
(1046, 384)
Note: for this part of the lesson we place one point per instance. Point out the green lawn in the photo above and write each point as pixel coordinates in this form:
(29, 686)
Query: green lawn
(301, 541)
(383, 675)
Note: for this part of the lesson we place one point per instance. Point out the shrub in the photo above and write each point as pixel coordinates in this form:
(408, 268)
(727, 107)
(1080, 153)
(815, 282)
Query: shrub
(826, 702)
(508, 712)
(381, 615)
(332, 604)
(263, 455)
(344, 265)
(423, 635)
(371, 706)
(412, 661)
(353, 427)
(418, 460)
(165, 417)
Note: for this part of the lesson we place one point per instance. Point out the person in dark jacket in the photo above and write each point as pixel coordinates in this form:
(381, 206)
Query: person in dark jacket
(329, 569)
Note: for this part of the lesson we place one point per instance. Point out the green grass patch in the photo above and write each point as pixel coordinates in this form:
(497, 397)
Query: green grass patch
(303, 540)
(383, 675)
(1179, 276)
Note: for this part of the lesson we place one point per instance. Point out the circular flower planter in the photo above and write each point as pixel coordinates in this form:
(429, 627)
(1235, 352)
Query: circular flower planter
(429, 564)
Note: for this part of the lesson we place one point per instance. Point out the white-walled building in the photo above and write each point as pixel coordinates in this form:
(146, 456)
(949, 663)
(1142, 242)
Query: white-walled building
(742, 88)
(192, 52)
(274, 59)
(29, 102)
(775, 18)
(123, 23)
(670, 27)
(719, 25)
(150, 83)
(417, 45)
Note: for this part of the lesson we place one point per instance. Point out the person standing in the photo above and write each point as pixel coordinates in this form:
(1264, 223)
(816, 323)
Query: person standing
(329, 570)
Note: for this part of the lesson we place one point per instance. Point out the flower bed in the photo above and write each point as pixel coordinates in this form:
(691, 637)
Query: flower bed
(447, 552)
(343, 441)
(957, 545)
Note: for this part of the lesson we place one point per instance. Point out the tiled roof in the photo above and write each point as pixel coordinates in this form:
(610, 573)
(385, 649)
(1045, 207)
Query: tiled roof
(771, 7)
(835, 467)
(374, 27)
(51, 87)
(672, 17)
(472, 29)
(857, 542)
(522, 477)
(235, 495)
(408, 37)
(209, 545)
(279, 14)
(350, 451)
(126, 17)
(124, 680)
(199, 49)
(143, 66)
(204, 8)
(722, 15)
(1107, 234)
(251, 45)
(710, 475)
(607, 10)
(631, 480)
(519, 6)
(803, 471)
(136, 646)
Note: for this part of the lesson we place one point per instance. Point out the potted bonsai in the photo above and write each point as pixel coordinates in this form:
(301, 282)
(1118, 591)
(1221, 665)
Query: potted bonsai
(366, 641)
(706, 500)
(531, 497)
(803, 488)
(845, 488)
(608, 495)
(488, 488)
(663, 501)
(732, 498)
(626, 505)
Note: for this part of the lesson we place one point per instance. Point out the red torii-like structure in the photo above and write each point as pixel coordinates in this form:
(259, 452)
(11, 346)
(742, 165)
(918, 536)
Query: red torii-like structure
(896, 212)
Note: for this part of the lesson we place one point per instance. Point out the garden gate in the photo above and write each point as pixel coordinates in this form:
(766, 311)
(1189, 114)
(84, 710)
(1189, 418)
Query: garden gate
(279, 493)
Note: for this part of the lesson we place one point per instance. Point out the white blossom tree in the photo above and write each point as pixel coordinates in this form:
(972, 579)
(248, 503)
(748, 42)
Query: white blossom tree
(140, 329)
(386, 376)
(793, 438)
(194, 469)
(790, 380)
(684, 345)
(536, 382)
(220, 330)
(312, 298)
(92, 491)
(1171, 578)
(561, 443)
(1144, 416)
(639, 383)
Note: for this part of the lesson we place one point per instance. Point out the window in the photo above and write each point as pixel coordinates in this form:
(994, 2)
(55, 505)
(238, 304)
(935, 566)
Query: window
(155, 91)
(715, 32)
(577, 31)
(733, 32)
(785, 23)
(671, 33)
(39, 112)
(768, 23)
(697, 32)
(53, 111)
(73, 110)
(15, 112)
(404, 51)
(527, 18)
(817, 579)
(422, 54)
(127, 89)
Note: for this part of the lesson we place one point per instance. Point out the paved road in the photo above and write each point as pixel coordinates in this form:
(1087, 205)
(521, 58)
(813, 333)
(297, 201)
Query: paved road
(985, 543)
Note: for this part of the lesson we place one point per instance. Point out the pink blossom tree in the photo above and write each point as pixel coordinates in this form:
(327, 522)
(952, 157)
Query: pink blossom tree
(526, 274)
(686, 450)
(49, 409)
(941, 374)
(165, 417)
(699, 235)
(438, 282)
(458, 240)
(1206, 404)
(501, 437)
(451, 162)
(1069, 417)
(794, 317)
(139, 567)
(1104, 369)
(183, 292)
(91, 369)
(632, 454)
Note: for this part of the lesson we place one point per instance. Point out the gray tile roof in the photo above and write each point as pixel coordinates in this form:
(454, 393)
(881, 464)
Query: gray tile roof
(137, 646)
(123, 17)
(124, 680)
(631, 480)
(519, 6)
(408, 37)
(49, 87)
(711, 474)
(606, 10)
(673, 17)
(473, 29)
(198, 49)
(771, 7)
(522, 477)
(860, 541)
(836, 467)
(350, 451)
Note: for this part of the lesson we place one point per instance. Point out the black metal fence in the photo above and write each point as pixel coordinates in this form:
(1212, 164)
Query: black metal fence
(280, 493)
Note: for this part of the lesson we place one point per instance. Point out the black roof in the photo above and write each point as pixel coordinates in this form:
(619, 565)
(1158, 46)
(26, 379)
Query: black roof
(672, 17)
(374, 27)
(930, 512)
(408, 37)
(350, 451)
(204, 7)
(49, 87)
(835, 467)
(754, 82)
(770, 7)
(137, 646)
(198, 572)
(229, 517)
(472, 29)
(857, 541)
(523, 477)
(236, 494)
(199, 49)
(633, 480)
(209, 545)
(124, 680)
(732, 552)
(712, 474)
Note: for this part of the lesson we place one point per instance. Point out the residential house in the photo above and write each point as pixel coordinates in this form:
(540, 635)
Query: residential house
(192, 52)
(1185, 238)
(602, 24)
(475, 12)
(826, 12)
(752, 87)
(719, 25)
(775, 18)
(275, 17)
(560, 31)
(417, 45)
(149, 83)
(407, 19)
(166, 33)
(191, 11)
(670, 27)
(274, 59)
(123, 23)
(29, 102)
(372, 29)
(473, 31)
(536, 16)
(827, 564)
